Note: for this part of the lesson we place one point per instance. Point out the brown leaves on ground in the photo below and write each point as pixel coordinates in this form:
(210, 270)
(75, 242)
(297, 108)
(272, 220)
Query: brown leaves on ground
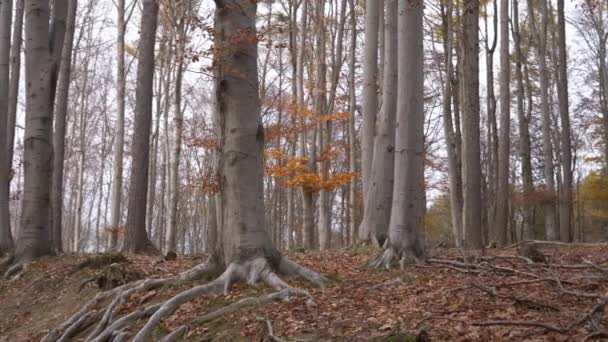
(450, 297)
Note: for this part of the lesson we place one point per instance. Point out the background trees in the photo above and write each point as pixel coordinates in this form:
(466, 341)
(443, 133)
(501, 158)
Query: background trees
(329, 158)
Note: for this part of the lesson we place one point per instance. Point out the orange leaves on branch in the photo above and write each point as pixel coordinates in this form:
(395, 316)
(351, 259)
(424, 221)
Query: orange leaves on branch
(294, 172)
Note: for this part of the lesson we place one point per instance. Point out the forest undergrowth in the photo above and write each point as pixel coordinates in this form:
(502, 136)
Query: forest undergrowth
(545, 292)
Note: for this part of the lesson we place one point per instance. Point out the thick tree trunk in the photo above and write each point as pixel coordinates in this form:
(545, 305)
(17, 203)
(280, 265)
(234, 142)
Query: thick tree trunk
(244, 234)
(404, 242)
(119, 142)
(565, 204)
(504, 141)
(61, 110)
(136, 239)
(34, 238)
(6, 236)
(377, 211)
(471, 163)
(370, 90)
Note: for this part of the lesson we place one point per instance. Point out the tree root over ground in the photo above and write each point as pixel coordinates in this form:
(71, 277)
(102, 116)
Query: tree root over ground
(102, 309)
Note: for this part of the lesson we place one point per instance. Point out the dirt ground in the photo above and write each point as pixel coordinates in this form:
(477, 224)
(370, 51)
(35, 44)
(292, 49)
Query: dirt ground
(494, 296)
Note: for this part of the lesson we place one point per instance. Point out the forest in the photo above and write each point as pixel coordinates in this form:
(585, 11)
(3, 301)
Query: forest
(303, 170)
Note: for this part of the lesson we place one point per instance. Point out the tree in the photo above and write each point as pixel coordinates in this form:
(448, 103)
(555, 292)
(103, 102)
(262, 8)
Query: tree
(184, 10)
(504, 140)
(471, 163)
(404, 241)
(450, 95)
(136, 239)
(551, 231)
(6, 237)
(377, 210)
(119, 142)
(565, 203)
(61, 109)
(34, 237)
(370, 89)
(524, 131)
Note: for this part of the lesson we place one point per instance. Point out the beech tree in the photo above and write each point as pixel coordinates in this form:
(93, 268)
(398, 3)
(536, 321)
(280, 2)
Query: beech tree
(404, 242)
(504, 141)
(370, 89)
(471, 163)
(6, 237)
(245, 252)
(377, 210)
(34, 236)
(136, 239)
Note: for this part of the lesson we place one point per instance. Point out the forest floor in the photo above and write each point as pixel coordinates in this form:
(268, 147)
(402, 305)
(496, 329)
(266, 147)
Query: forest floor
(494, 296)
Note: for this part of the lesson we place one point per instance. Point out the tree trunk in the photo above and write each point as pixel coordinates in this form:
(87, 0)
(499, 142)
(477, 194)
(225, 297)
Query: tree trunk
(6, 236)
(117, 167)
(370, 90)
(450, 92)
(565, 203)
(504, 141)
(524, 133)
(61, 110)
(177, 143)
(404, 242)
(377, 211)
(244, 234)
(491, 186)
(471, 164)
(352, 159)
(13, 93)
(320, 99)
(34, 238)
(136, 239)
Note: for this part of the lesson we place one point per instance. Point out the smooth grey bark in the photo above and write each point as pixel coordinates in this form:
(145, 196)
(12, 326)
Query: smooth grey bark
(136, 239)
(119, 142)
(34, 237)
(408, 206)
(471, 163)
(13, 92)
(244, 233)
(453, 150)
(377, 211)
(352, 159)
(6, 236)
(61, 110)
(370, 89)
(565, 203)
(524, 132)
(504, 140)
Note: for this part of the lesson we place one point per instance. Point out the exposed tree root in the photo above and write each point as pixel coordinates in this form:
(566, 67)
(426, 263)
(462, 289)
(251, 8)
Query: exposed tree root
(391, 256)
(254, 271)
(269, 330)
(176, 335)
(14, 270)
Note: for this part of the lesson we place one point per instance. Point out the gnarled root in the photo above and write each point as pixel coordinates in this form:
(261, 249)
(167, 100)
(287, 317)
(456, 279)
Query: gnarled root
(253, 271)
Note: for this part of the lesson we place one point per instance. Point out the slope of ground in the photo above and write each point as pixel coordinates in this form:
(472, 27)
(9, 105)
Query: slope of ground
(496, 296)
